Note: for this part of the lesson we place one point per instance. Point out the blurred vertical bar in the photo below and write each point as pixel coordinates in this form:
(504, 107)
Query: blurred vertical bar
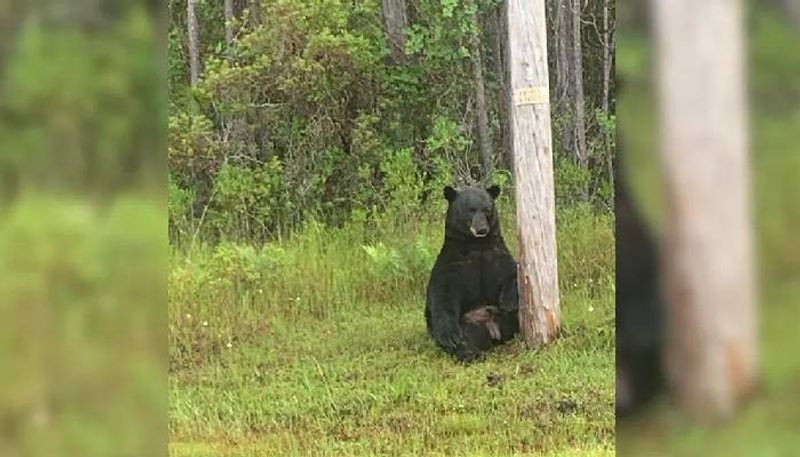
(82, 228)
(708, 262)
(684, 95)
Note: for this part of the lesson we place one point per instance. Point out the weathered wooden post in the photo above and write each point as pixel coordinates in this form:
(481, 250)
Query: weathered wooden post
(540, 313)
(708, 262)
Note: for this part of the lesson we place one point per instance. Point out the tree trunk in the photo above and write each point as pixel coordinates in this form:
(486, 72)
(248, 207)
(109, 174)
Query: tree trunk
(255, 11)
(579, 108)
(194, 50)
(497, 19)
(608, 49)
(229, 17)
(395, 19)
(711, 323)
(540, 314)
(792, 10)
(563, 45)
(481, 116)
(563, 77)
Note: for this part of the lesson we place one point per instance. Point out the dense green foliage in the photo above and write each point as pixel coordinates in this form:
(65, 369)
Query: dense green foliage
(307, 117)
(82, 229)
(81, 111)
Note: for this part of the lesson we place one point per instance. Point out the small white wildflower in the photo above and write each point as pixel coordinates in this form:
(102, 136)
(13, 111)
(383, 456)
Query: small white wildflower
(591, 309)
(188, 316)
(205, 323)
(229, 345)
(260, 291)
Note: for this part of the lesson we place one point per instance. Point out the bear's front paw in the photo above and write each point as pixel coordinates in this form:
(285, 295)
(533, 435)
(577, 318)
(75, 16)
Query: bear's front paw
(467, 356)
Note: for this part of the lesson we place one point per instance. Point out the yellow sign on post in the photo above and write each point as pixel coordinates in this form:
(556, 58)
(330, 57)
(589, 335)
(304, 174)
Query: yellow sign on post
(531, 96)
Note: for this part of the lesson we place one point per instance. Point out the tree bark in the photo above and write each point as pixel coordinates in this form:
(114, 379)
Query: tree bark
(563, 104)
(563, 40)
(607, 50)
(792, 10)
(395, 18)
(497, 19)
(711, 323)
(255, 11)
(540, 313)
(578, 98)
(563, 45)
(229, 17)
(481, 116)
(194, 50)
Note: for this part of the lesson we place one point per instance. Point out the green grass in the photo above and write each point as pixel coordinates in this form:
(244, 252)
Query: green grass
(766, 426)
(325, 352)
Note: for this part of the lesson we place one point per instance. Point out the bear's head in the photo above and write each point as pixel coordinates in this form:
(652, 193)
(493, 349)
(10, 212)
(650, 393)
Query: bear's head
(471, 212)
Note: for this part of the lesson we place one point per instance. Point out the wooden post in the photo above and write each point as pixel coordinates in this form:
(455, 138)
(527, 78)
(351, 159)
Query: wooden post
(708, 262)
(540, 314)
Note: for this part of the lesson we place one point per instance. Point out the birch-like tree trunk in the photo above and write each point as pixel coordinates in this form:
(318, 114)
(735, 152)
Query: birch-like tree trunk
(529, 110)
(194, 49)
(711, 324)
(395, 18)
(229, 16)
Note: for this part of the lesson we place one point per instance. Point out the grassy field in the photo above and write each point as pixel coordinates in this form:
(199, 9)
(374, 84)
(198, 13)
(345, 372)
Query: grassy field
(317, 346)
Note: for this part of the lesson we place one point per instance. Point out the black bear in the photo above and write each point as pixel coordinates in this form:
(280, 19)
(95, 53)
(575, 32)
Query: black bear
(472, 297)
(639, 304)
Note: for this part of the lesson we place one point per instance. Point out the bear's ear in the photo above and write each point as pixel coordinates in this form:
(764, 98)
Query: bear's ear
(494, 191)
(450, 193)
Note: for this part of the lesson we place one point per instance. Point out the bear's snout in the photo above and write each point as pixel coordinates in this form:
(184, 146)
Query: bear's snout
(479, 232)
(479, 226)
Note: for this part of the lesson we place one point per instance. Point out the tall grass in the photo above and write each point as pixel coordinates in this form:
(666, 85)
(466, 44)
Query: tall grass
(316, 345)
(321, 270)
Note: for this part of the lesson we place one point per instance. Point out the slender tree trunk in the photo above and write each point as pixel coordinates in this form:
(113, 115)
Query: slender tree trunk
(481, 116)
(395, 18)
(563, 93)
(563, 45)
(792, 10)
(579, 107)
(497, 20)
(540, 313)
(229, 17)
(255, 11)
(194, 50)
(608, 49)
(711, 325)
